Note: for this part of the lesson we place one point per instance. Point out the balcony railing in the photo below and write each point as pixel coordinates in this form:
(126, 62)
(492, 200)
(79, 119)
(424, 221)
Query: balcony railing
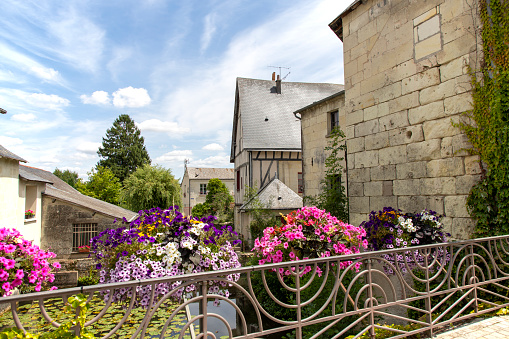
(426, 288)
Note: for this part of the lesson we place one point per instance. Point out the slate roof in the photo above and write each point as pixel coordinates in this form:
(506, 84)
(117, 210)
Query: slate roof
(59, 189)
(268, 122)
(5, 153)
(210, 173)
(276, 196)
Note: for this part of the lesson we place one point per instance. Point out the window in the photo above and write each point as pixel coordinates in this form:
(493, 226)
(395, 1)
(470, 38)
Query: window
(81, 235)
(300, 183)
(30, 201)
(334, 181)
(203, 188)
(238, 180)
(334, 120)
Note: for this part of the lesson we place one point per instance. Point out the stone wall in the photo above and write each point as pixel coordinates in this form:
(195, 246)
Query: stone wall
(58, 218)
(406, 79)
(315, 126)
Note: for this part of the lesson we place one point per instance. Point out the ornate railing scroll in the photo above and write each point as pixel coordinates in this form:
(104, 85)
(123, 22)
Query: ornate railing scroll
(422, 287)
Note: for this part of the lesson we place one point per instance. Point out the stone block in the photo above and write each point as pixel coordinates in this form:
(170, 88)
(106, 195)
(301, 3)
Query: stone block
(465, 183)
(425, 150)
(359, 175)
(359, 204)
(428, 28)
(367, 31)
(354, 118)
(355, 145)
(392, 121)
(377, 141)
(392, 155)
(456, 48)
(428, 46)
(357, 218)
(446, 89)
(458, 103)
(366, 128)
(403, 70)
(436, 204)
(387, 188)
(427, 112)
(371, 113)
(449, 167)
(411, 170)
(462, 228)
(440, 128)
(446, 147)
(438, 186)
(359, 22)
(447, 222)
(388, 92)
(387, 172)
(454, 68)
(350, 132)
(378, 203)
(461, 144)
(374, 82)
(451, 10)
(404, 102)
(412, 204)
(406, 135)
(373, 188)
(366, 159)
(355, 189)
(351, 161)
(425, 16)
(421, 80)
(460, 26)
(472, 165)
(406, 187)
(66, 279)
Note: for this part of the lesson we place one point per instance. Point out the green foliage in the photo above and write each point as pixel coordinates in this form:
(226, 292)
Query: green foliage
(200, 210)
(90, 279)
(149, 187)
(487, 124)
(76, 305)
(218, 201)
(332, 197)
(261, 216)
(102, 184)
(69, 177)
(123, 149)
(382, 333)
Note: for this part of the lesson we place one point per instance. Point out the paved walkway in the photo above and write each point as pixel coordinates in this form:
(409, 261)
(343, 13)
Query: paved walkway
(490, 328)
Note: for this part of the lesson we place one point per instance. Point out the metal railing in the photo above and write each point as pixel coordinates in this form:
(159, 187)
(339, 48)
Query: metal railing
(422, 288)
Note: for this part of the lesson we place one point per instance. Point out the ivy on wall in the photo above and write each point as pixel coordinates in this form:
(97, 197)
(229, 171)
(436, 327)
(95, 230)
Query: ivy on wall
(487, 124)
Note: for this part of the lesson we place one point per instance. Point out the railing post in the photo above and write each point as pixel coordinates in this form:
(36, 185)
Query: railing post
(473, 278)
(370, 297)
(203, 309)
(427, 301)
(299, 309)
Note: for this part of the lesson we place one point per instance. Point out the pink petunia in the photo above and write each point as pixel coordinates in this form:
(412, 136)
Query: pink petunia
(20, 274)
(6, 286)
(56, 265)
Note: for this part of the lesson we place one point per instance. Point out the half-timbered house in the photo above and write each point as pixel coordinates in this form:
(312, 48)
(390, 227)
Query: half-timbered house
(266, 137)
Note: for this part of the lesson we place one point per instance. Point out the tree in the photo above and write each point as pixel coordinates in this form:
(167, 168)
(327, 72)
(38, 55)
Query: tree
(69, 177)
(123, 149)
(332, 197)
(102, 184)
(151, 186)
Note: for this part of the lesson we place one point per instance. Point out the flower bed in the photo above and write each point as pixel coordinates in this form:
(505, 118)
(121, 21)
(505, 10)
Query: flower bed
(390, 228)
(309, 233)
(163, 243)
(24, 265)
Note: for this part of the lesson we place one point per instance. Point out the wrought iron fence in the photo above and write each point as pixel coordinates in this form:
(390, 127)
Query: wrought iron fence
(420, 288)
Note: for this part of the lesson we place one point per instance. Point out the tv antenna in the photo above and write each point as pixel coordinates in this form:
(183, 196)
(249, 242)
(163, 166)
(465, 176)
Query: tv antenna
(280, 68)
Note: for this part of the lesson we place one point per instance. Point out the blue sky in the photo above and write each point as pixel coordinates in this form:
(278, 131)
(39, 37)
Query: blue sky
(68, 69)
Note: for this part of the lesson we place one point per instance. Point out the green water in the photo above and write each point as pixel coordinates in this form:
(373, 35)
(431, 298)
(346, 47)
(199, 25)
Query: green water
(33, 321)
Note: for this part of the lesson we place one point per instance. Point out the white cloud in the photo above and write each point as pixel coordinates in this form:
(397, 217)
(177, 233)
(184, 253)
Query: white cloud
(131, 97)
(209, 29)
(215, 161)
(45, 73)
(88, 147)
(213, 147)
(97, 98)
(8, 141)
(156, 125)
(48, 101)
(24, 117)
(175, 156)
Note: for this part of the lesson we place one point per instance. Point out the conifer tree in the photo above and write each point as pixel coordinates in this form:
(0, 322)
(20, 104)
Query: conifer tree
(123, 149)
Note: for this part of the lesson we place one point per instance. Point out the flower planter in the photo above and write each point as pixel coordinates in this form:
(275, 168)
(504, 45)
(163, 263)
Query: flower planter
(83, 250)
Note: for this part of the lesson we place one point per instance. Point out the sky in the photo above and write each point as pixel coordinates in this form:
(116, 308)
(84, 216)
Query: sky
(68, 69)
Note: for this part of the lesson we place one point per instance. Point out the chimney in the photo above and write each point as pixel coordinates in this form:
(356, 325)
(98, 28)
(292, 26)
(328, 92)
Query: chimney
(278, 85)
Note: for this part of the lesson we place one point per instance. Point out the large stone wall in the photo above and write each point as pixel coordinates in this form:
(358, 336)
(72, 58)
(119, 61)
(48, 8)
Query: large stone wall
(406, 80)
(58, 218)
